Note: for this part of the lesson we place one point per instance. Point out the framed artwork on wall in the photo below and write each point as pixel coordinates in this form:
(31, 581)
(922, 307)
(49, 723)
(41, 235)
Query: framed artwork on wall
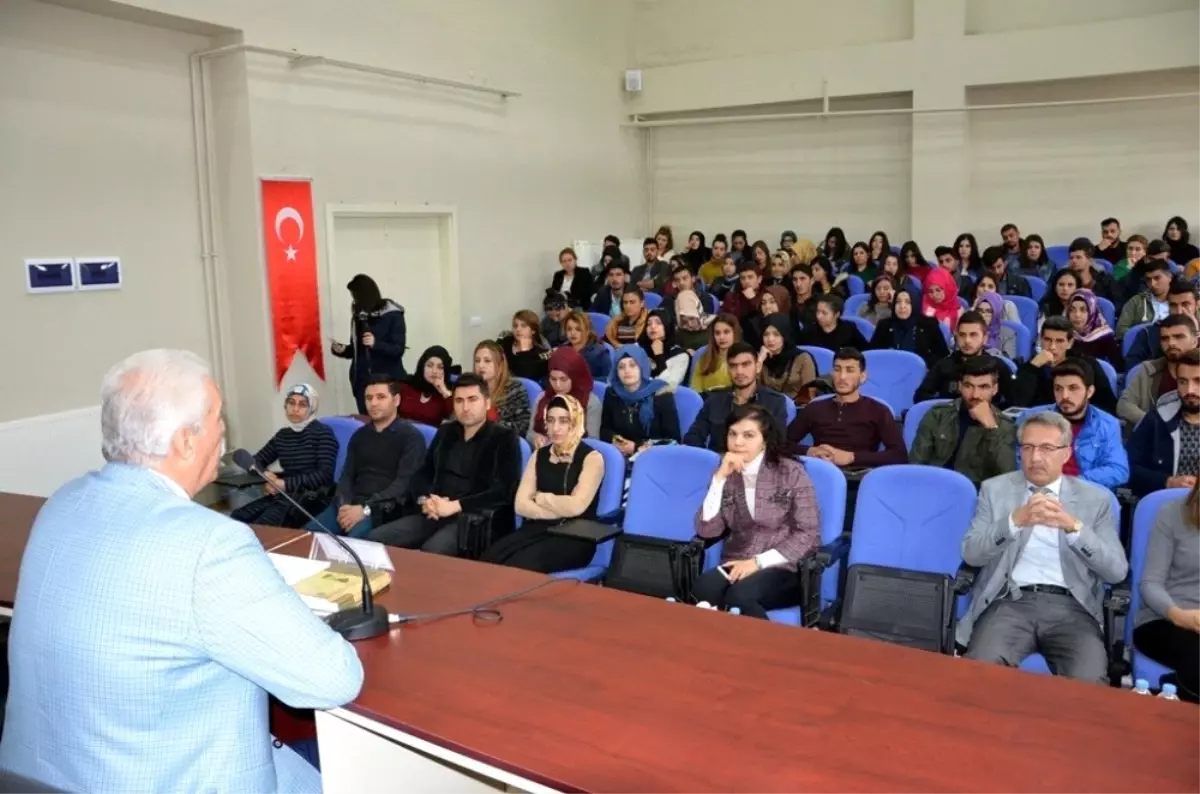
(53, 274)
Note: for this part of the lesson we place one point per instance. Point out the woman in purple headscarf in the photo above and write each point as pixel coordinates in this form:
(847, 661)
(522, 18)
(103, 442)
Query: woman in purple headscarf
(990, 306)
(1093, 335)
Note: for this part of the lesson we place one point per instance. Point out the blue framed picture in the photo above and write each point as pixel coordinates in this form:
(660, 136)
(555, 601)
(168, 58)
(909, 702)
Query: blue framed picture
(49, 275)
(99, 272)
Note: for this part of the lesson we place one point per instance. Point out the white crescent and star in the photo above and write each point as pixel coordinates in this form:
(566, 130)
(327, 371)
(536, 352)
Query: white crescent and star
(285, 214)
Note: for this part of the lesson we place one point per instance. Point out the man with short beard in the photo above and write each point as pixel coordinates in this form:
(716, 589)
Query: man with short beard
(1153, 379)
(1096, 451)
(1164, 451)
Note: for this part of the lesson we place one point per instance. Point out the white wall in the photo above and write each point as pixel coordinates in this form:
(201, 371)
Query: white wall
(43, 452)
(997, 16)
(95, 160)
(767, 176)
(1059, 171)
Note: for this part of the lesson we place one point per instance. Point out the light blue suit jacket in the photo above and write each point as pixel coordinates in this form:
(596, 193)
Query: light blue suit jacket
(147, 632)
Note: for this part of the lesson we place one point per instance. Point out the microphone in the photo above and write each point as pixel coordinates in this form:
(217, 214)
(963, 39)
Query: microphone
(352, 624)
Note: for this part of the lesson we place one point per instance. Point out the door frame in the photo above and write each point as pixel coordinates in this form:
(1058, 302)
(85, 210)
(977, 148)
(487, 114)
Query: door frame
(447, 217)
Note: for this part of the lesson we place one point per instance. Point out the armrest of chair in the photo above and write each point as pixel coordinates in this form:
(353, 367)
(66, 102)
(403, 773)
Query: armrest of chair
(475, 532)
(1119, 597)
(964, 578)
(831, 553)
(616, 517)
(1117, 601)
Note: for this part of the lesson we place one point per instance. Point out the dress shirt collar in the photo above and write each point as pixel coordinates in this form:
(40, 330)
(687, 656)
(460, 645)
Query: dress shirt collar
(1054, 487)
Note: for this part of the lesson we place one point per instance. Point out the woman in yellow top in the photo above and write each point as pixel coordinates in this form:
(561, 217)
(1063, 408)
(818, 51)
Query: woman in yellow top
(710, 370)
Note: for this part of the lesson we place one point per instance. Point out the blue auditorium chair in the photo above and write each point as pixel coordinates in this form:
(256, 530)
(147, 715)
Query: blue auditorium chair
(343, 427)
(893, 376)
(1107, 310)
(696, 356)
(1028, 309)
(1037, 286)
(854, 285)
(599, 389)
(912, 420)
(599, 323)
(427, 432)
(1008, 362)
(850, 309)
(608, 510)
(1024, 338)
(688, 405)
(909, 522)
(823, 357)
(829, 483)
(653, 300)
(1111, 373)
(532, 389)
(864, 326)
(1058, 254)
(1132, 334)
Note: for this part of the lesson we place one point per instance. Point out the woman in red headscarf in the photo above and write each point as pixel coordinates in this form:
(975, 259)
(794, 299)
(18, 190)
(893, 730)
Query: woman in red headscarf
(941, 298)
(569, 374)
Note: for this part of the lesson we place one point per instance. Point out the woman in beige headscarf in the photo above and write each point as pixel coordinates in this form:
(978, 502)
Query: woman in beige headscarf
(803, 252)
(561, 483)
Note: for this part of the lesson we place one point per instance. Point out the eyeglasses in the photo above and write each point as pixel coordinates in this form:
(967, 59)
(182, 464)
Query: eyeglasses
(1044, 449)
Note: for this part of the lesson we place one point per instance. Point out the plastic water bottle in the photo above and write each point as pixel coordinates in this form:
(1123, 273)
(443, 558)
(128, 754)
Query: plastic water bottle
(1141, 687)
(704, 605)
(738, 611)
(1168, 692)
(671, 599)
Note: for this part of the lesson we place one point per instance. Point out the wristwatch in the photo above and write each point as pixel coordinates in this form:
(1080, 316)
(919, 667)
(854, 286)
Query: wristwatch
(1076, 527)
(367, 510)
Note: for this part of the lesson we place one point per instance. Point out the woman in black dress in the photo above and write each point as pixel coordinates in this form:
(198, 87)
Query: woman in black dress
(907, 329)
(561, 483)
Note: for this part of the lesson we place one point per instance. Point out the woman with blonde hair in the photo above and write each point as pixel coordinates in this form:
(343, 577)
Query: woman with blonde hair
(710, 370)
(803, 252)
(560, 484)
(577, 327)
(510, 401)
(524, 349)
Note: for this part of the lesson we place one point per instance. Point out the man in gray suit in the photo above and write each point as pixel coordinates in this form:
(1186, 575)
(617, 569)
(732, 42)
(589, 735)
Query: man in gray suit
(1047, 544)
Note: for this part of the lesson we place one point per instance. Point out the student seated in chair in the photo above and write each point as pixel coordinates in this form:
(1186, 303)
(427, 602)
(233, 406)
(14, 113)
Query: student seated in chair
(849, 429)
(1034, 383)
(910, 331)
(425, 394)
(942, 379)
(560, 483)
(471, 468)
(1047, 543)
(764, 505)
(1097, 454)
(830, 331)
(306, 450)
(381, 458)
(637, 413)
(969, 435)
(1181, 300)
(1164, 451)
(711, 426)
(569, 374)
(1154, 378)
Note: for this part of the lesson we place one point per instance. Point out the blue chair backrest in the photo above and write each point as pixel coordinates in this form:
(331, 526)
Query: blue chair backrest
(1111, 372)
(1037, 286)
(823, 357)
(1008, 362)
(789, 411)
(1103, 264)
(894, 375)
(830, 486)
(1058, 254)
(912, 517)
(599, 323)
(666, 490)
(653, 300)
(912, 420)
(1028, 309)
(1024, 338)
(855, 286)
(343, 427)
(532, 389)
(1108, 310)
(1132, 334)
(427, 432)
(696, 356)
(864, 327)
(850, 309)
(612, 487)
(1144, 516)
(599, 389)
(963, 303)
(526, 452)
(948, 335)
(687, 404)
(612, 355)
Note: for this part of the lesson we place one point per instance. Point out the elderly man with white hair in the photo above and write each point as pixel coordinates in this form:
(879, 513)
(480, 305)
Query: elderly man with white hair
(1047, 544)
(148, 630)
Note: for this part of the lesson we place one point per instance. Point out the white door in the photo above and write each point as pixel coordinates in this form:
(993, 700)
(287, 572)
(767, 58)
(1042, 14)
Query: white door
(408, 258)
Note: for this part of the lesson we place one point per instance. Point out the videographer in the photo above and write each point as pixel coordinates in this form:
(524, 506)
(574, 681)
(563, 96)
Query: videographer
(377, 337)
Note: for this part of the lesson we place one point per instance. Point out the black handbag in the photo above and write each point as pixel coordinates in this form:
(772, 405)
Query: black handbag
(655, 567)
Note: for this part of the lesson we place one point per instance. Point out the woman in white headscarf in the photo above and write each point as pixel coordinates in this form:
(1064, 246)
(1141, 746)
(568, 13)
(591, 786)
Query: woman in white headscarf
(306, 452)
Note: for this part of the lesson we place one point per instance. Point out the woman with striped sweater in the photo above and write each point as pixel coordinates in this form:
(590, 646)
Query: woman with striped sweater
(306, 450)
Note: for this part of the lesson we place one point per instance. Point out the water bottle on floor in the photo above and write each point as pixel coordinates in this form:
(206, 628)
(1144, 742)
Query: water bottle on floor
(738, 611)
(671, 599)
(1168, 692)
(1141, 687)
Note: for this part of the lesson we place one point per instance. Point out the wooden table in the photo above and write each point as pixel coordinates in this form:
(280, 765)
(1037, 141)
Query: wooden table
(586, 689)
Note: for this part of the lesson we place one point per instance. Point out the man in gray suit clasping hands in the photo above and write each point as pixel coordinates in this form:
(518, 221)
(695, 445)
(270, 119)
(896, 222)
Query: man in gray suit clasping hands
(1047, 544)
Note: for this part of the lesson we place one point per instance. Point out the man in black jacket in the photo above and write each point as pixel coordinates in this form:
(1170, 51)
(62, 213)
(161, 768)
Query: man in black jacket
(1008, 280)
(709, 430)
(381, 459)
(1096, 279)
(1034, 384)
(943, 378)
(470, 473)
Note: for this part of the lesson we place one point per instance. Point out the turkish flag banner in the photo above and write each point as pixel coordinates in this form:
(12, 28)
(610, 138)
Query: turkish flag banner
(291, 251)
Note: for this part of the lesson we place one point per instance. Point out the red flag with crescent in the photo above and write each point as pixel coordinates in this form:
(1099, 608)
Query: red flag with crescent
(291, 251)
